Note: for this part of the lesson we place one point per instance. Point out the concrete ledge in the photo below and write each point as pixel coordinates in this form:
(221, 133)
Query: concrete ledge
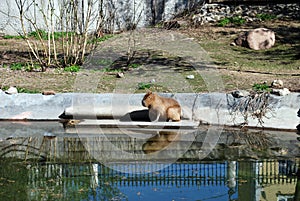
(210, 108)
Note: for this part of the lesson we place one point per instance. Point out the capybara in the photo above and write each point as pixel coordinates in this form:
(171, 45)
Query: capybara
(161, 108)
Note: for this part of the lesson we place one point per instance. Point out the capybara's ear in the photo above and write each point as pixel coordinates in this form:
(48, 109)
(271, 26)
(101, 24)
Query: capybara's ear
(148, 91)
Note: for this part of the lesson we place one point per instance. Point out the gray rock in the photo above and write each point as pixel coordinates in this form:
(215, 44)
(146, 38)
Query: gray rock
(261, 38)
(11, 90)
(257, 39)
(281, 92)
(240, 93)
(277, 84)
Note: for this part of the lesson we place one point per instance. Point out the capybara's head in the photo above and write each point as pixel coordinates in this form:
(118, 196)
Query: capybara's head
(148, 99)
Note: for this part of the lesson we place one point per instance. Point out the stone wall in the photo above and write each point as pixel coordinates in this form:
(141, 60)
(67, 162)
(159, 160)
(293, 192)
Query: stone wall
(210, 13)
(117, 14)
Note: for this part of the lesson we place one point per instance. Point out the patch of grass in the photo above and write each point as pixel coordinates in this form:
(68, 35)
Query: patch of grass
(279, 59)
(13, 37)
(261, 87)
(134, 65)
(44, 35)
(266, 16)
(236, 20)
(101, 39)
(16, 66)
(28, 91)
(39, 34)
(143, 86)
(224, 22)
(72, 69)
(30, 67)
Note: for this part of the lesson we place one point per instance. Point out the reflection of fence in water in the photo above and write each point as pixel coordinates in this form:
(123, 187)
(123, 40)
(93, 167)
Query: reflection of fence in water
(179, 174)
(278, 171)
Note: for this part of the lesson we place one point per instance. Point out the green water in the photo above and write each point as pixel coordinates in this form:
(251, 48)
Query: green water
(47, 162)
(213, 180)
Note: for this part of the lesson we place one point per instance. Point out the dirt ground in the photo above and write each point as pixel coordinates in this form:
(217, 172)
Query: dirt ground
(16, 51)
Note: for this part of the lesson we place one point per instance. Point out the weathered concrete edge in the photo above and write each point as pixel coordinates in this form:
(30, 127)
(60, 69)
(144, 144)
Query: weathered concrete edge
(211, 108)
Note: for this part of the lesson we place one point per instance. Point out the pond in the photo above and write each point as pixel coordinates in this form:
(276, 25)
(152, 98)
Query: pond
(49, 161)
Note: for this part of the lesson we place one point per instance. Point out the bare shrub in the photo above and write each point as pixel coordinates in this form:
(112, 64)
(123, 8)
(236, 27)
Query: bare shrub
(68, 31)
(256, 106)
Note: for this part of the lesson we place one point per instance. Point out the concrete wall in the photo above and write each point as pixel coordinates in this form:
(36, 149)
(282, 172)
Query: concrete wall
(211, 108)
(118, 14)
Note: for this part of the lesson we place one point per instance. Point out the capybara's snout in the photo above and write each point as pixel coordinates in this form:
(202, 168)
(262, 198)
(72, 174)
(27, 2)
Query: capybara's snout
(143, 103)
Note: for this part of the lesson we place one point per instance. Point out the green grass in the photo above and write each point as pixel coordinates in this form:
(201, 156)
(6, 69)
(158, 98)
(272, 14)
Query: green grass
(236, 20)
(134, 65)
(28, 91)
(143, 86)
(266, 16)
(24, 66)
(261, 87)
(16, 66)
(41, 34)
(72, 69)
(13, 37)
(101, 39)
(280, 58)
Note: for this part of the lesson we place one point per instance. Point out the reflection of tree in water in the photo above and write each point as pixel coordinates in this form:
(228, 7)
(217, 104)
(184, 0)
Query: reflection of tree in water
(254, 140)
(51, 181)
(45, 148)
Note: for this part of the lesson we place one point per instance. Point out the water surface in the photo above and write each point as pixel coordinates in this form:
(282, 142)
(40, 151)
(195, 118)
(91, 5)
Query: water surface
(46, 161)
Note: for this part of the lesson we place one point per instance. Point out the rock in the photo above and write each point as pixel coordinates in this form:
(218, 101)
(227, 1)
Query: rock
(11, 90)
(211, 12)
(277, 84)
(120, 75)
(261, 38)
(241, 40)
(281, 92)
(257, 39)
(190, 77)
(240, 93)
(50, 92)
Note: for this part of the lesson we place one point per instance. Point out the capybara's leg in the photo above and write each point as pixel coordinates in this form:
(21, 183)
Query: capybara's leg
(174, 113)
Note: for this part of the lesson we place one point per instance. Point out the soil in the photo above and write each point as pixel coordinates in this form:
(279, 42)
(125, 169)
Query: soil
(16, 51)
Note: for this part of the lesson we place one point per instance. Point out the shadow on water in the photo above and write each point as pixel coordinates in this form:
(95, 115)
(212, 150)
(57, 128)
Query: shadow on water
(44, 161)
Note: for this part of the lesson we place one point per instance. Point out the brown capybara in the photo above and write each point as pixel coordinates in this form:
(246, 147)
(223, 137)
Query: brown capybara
(161, 108)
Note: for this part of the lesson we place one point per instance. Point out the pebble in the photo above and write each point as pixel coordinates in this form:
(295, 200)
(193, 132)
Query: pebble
(50, 92)
(277, 84)
(190, 77)
(11, 90)
(240, 93)
(120, 75)
(281, 92)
